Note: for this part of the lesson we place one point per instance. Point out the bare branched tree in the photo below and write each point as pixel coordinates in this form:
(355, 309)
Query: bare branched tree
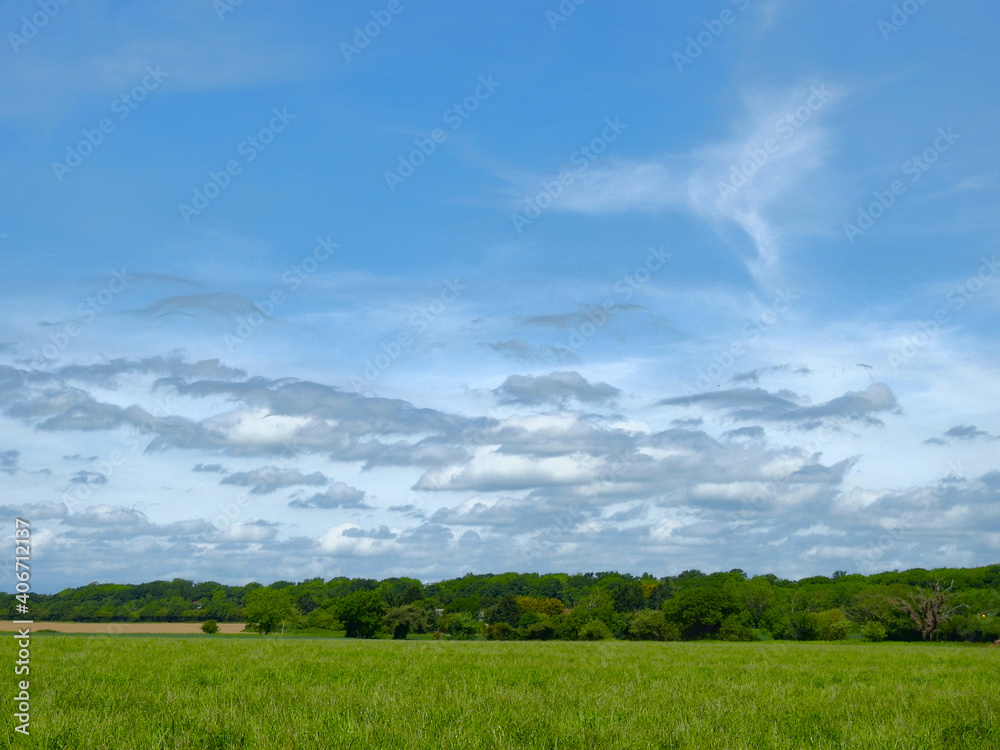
(929, 608)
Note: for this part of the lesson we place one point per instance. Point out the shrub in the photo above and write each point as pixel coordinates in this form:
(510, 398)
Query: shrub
(874, 631)
(528, 619)
(541, 631)
(323, 618)
(832, 625)
(973, 627)
(461, 626)
(502, 631)
(735, 629)
(505, 610)
(802, 626)
(210, 626)
(839, 630)
(595, 630)
(651, 625)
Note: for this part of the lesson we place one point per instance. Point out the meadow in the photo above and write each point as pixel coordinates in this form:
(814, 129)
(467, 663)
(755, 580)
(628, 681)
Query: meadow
(138, 692)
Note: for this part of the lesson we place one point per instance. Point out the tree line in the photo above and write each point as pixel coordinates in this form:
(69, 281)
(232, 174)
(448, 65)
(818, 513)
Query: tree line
(961, 604)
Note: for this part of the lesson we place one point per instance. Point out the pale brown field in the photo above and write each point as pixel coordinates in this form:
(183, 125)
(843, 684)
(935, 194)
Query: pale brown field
(119, 628)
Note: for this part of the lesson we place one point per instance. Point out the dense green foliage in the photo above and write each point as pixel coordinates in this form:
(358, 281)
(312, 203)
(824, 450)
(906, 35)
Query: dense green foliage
(690, 606)
(268, 609)
(361, 612)
(150, 692)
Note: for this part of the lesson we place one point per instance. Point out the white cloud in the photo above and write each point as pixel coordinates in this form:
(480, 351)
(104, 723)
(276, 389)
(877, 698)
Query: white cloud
(758, 179)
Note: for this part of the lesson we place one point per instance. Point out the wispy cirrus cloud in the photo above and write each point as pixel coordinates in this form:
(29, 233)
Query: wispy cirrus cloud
(756, 180)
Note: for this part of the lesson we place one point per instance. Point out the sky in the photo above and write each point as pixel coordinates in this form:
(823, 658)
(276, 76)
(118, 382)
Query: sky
(426, 288)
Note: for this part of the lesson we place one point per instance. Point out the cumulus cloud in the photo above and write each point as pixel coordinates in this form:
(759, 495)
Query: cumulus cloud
(351, 539)
(337, 495)
(495, 511)
(87, 417)
(89, 477)
(757, 404)
(754, 433)
(427, 535)
(558, 489)
(561, 456)
(116, 522)
(9, 460)
(269, 418)
(554, 388)
(250, 532)
(108, 372)
(966, 432)
(408, 509)
(35, 511)
(270, 478)
(108, 515)
(491, 471)
(961, 432)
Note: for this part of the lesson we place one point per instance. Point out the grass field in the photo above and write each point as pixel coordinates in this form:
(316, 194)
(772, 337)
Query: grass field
(119, 628)
(137, 692)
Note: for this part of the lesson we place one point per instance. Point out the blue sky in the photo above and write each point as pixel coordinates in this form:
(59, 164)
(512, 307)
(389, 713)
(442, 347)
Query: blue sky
(295, 290)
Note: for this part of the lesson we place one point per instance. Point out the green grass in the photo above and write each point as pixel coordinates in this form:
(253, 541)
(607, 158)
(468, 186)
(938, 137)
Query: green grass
(132, 693)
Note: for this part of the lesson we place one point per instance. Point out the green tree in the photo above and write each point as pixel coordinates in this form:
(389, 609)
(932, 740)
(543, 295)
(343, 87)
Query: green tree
(833, 626)
(502, 631)
(505, 610)
(461, 626)
(757, 597)
(651, 625)
(306, 603)
(528, 619)
(399, 591)
(663, 591)
(873, 631)
(361, 613)
(595, 630)
(467, 604)
(268, 609)
(323, 619)
(404, 619)
(543, 630)
(210, 627)
(628, 597)
(218, 608)
(736, 628)
(700, 610)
